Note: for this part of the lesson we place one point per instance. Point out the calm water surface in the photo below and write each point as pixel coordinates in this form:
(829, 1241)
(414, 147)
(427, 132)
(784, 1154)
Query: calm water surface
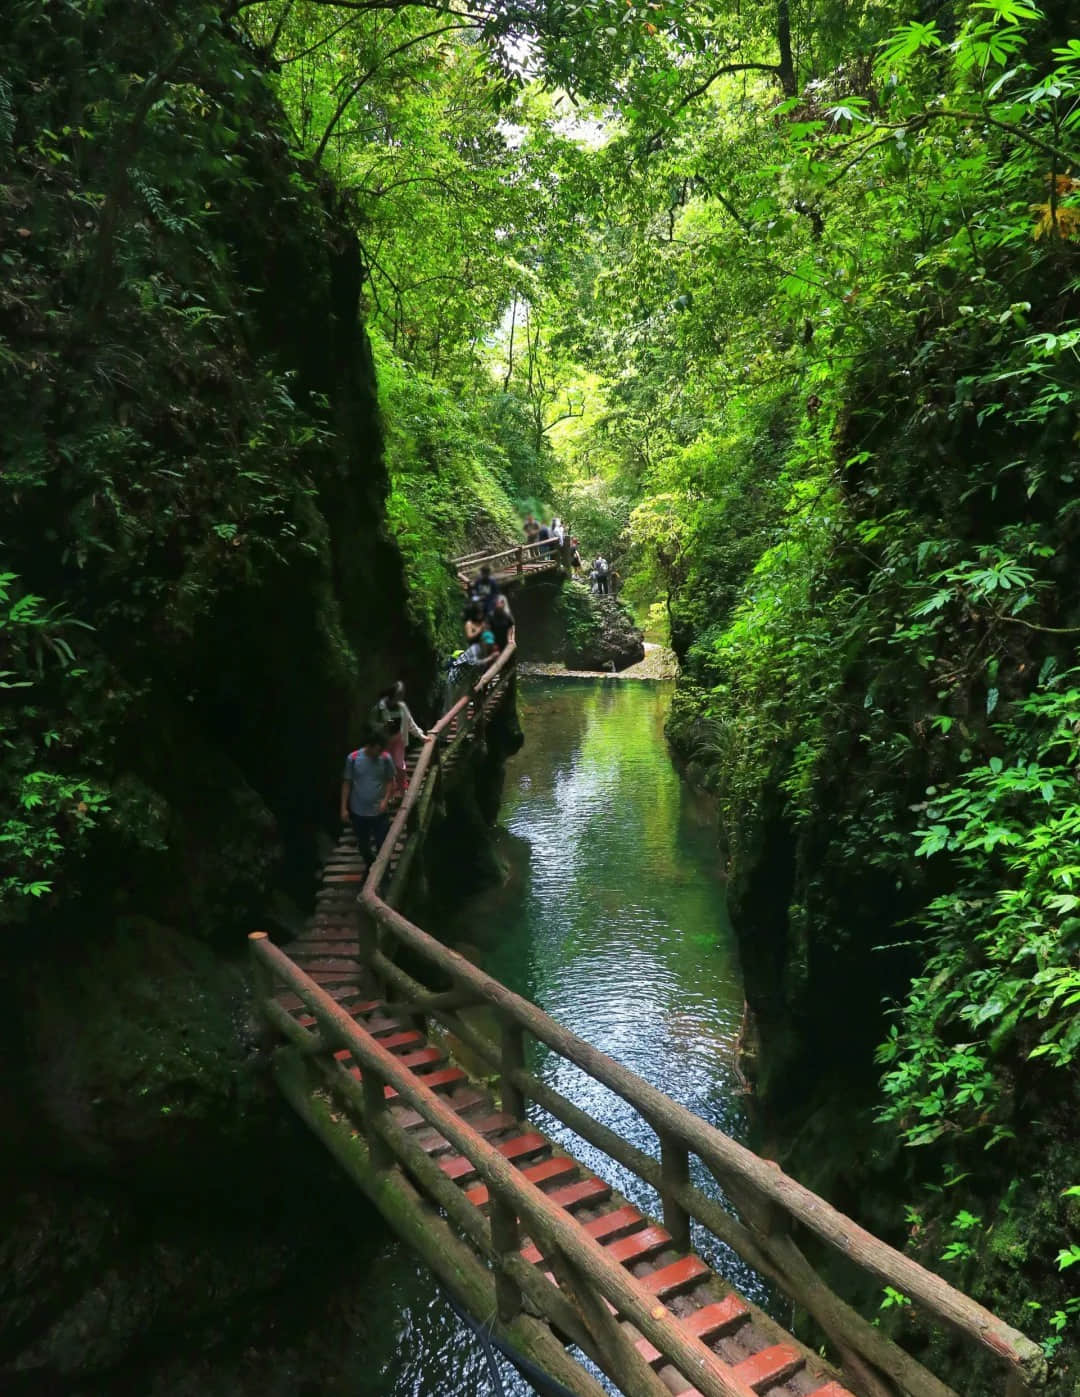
(613, 920)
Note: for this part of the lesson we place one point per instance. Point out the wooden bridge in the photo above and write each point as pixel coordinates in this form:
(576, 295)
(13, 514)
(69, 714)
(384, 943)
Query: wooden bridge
(510, 564)
(529, 1241)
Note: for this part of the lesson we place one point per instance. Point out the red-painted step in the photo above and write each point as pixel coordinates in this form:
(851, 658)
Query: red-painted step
(713, 1320)
(435, 1081)
(619, 1220)
(401, 1040)
(587, 1191)
(831, 1389)
(769, 1366)
(638, 1245)
(680, 1275)
(536, 1174)
(457, 1166)
(418, 1059)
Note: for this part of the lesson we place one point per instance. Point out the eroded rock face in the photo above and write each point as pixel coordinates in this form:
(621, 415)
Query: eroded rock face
(612, 642)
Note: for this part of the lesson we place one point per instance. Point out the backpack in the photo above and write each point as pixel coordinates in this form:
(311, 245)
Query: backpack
(382, 722)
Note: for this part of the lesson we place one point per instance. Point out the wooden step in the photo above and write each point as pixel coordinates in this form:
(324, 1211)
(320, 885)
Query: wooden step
(585, 1191)
(678, 1276)
(408, 1038)
(555, 1168)
(346, 946)
(768, 1367)
(422, 1057)
(831, 1389)
(460, 1101)
(434, 1081)
(323, 965)
(639, 1245)
(705, 1324)
(342, 993)
(458, 1167)
(433, 1143)
(365, 1006)
(605, 1228)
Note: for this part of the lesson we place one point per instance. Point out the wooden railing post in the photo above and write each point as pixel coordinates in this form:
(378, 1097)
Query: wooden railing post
(375, 1109)
(511, 1060)
(675, 1175)
(520, 561)
(261, 976)
(506, 1239)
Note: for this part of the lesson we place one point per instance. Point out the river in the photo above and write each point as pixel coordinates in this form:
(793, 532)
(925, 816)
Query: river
(613, 920)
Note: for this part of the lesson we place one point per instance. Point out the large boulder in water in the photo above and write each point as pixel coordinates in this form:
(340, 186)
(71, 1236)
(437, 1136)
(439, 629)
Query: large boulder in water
(600, 631)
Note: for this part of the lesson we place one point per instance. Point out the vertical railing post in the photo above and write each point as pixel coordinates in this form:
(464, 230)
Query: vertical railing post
(674, 1174)
(511, 1060)
(374, 1112)
(261, 976)
(506, 1239)
(520, 561)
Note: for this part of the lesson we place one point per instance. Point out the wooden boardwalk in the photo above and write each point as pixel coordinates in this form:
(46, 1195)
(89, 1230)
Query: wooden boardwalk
(761, 1357)
(527, 1238)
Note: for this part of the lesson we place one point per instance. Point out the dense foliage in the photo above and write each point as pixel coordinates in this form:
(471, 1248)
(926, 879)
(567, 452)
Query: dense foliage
(777, 304)
(189, 460)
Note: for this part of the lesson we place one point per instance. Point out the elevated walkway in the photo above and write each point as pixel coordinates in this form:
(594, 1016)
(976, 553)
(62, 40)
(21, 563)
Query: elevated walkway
(375, 1058)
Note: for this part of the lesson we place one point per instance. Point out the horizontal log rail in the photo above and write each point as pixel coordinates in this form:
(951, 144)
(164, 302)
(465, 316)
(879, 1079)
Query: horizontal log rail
(759, 1188)
(491, 556)
(516, 561)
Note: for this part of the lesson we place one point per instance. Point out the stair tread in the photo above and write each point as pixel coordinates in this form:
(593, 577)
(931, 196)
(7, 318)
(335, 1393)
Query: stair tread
(553, 1168)
(768, 1366)
(647, 1242)
(585, 1191)
(677, 1275)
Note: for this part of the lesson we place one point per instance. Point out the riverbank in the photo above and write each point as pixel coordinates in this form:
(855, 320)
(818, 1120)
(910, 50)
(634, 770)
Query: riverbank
(659, 663)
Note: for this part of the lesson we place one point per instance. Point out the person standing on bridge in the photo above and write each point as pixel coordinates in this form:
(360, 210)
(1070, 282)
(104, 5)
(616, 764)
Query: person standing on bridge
(502, 623)
(393, 718)
(366, 784)
(485, 589)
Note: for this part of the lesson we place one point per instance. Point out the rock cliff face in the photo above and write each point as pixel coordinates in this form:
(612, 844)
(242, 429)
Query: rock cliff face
(193, 474)
(564, 621)
(612, 642)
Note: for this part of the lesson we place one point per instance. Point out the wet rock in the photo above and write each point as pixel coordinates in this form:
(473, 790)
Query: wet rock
(610, 642)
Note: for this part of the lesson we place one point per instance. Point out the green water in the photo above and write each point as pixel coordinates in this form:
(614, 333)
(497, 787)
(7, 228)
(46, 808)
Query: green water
(613, 920)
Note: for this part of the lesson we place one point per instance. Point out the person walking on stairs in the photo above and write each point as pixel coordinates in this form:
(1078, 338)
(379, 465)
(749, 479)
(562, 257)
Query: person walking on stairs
(366, 784)
(393, 720)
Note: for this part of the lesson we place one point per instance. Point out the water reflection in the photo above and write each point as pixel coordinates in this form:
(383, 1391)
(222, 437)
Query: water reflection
(613, 920)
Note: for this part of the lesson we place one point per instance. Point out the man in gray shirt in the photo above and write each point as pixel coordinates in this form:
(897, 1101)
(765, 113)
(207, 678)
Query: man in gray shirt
(365, 792)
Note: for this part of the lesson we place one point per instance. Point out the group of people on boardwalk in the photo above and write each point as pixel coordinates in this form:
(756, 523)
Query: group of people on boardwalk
(488, 624)
(375, 773)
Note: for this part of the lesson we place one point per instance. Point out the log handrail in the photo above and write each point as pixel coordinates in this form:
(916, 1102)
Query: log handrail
(732, 1164)
(473, 560)
(551, 1225)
